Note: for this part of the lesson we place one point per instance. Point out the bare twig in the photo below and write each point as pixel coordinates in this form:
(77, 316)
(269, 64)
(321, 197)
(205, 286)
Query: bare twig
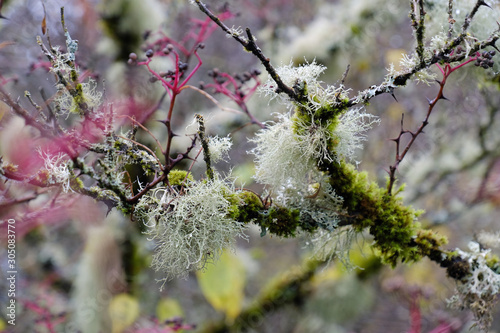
(250, 46)
(45, 129)
(211, 98)
(469, 17)
(446, 71)
(399, 157)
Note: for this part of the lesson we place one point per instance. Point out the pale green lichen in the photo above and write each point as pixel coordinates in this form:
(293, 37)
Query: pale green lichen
(86, 92)
(219, 148)
(189, 230)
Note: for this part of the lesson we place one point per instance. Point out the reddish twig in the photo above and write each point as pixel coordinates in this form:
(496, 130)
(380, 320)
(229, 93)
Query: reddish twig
(239, 92)
(446, 71)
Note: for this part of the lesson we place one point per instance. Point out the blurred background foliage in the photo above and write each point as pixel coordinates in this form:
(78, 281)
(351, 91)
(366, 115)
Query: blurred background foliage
(89, 271)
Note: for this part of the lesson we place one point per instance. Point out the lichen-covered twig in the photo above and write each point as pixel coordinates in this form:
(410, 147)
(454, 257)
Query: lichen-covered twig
(204, 145)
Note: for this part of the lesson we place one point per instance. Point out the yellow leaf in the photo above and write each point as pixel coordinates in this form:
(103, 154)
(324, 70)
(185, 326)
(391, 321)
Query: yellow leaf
(168, 308)
(222, 284)
(123, 311)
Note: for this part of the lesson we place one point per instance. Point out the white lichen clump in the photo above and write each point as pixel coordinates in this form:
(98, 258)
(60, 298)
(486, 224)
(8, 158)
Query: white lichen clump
(478, 291)
(408, 63)
(234, 32)
(92, 97)
(489, 239)
(280, 158)
(350, 132)
(329, 245)
(219, 148)
(289, 150)
(190, 229)
(58, 168)
(306, 75)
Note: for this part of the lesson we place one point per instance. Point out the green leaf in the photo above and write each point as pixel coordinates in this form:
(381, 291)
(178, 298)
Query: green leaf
(222, 284)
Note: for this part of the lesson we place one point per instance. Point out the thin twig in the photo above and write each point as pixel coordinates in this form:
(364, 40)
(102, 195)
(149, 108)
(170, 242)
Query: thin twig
(211, 98)
(451, 20)
(469, 17)
(250, 46)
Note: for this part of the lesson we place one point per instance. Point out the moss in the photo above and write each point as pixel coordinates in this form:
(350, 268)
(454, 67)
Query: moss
(329, 112)
(457, 267)
(245, 206)
(392, 224)
(493, 262)
(279, 221)
(178, 177)
(74, 75)
(429, 241)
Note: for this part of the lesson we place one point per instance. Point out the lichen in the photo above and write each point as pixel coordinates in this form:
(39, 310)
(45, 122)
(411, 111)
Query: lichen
(189, 229)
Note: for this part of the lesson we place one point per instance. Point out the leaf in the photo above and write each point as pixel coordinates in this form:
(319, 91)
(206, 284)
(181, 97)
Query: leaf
(168, 308)
(123, 311)
(222, 284)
